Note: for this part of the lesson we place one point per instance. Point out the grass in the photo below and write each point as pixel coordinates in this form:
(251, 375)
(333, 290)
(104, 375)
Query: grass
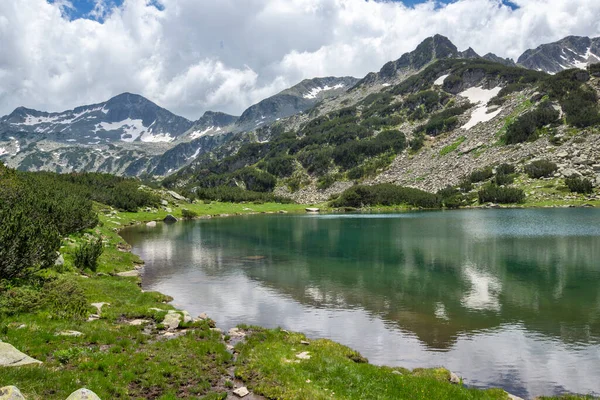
(268, 363)
(451, 147)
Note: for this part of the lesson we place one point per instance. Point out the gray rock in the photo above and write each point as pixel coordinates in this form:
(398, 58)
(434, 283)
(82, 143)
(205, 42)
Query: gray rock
(169, 219)
(11, 393)
(128, 274)
(203, 316)
(164, 203)
(60, 261)
(303, 356)
(70, 333)
(176, 196)
(99, 306)
(562, 154)
(236, 332)
(313, 210)
(241, 392)
(151, 224)
(11, 357)
(138, 322)
(171, 321)
(186, 317)
(569, 172)
(83, 394)
(168, 209)
(455, 379)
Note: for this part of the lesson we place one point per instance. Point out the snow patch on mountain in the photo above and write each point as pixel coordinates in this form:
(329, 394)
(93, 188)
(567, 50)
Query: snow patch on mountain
(3, 151)
(198, 133)
(440, 81)
(481, 97)
(315, 91)
(131, 128)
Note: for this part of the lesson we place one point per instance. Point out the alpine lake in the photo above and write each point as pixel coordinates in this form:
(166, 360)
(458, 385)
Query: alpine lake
(504, 298)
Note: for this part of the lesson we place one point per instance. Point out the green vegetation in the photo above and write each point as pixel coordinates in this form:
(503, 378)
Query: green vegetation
(451, 147)
(234, 194)
(386, 194)
(267, 361)
(501, 195)
(443, 121)
(87, 255)
(481, 175)
(540, 169)
(579, 185)
(525, 127)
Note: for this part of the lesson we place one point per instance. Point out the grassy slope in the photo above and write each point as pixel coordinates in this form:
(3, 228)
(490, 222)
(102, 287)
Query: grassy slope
(117, 360)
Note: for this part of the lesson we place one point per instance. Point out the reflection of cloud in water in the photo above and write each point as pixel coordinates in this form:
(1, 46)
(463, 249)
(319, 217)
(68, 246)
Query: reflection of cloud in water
(484, 292)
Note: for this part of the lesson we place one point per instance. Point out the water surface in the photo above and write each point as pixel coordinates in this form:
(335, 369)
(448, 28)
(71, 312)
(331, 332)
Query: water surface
(507, 298)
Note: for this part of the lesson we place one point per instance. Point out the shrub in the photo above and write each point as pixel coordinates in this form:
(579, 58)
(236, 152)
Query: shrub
(465, 186)
(234, 194)
(87, 255)
(325, 182)
(386, 194)
(505, 169)
(579, 185)
(501, 195)
(540, 169)
(525, 127)
(65, 299)
(281, 167)
(417, 142)
(20, 300)
(503, 179)
(188, 214)
(481, 175)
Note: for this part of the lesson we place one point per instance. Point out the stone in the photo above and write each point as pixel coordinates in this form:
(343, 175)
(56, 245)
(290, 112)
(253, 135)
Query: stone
(241, 392)
(164, 203)
(10, 393)
(138, 322)
(569, 172)
(562, 154)
(304, 342)
(11, 357)
(151, 224)
(282, 212)
(303, 356)
(171, 321)
(99, 306)
(70, 333)
(203, 316)
(455, 379)
(186, 317)
(176, 196)
(168, 209)
(169, 219)
(60, 261)
(83, 394)
(236, 332)
(312, 210)
(129, 274)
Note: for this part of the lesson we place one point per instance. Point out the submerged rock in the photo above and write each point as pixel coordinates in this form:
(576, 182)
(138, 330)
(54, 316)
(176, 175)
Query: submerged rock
(83, 394)
(11, 357)
(151, 224)
(11, 393)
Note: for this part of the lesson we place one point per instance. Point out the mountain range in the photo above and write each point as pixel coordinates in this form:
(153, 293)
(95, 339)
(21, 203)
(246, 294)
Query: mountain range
(130, 135)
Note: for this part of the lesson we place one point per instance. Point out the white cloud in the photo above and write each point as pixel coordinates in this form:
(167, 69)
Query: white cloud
(192, 55)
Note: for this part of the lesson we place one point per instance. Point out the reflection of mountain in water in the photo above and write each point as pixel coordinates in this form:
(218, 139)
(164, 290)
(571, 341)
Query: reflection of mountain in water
(437, 275)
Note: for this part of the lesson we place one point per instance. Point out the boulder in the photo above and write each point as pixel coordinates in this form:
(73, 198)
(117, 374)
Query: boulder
(312, 210)
(570, 172)
(70, 333)
(303, 356)
(241, 392)
(186, 317)
(151, 224)
(176, 196)
(83, 394)
(11, 357)
(11, 393)
(171, 321)
(99, 306)
(164, 203)
(138, 322)
(455, 379)
(169, 219)
(60, 261)
(128, 274)
(203, 316)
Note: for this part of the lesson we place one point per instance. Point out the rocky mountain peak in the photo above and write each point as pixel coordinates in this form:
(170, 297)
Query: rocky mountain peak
(570, 52)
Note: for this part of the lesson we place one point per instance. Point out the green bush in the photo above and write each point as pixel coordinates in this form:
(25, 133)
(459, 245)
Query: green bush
(505, 169)
(282, 166)
(417, 142)
(540, 169)
(503, 179)
(65, 299)
(465, 185)
(386, 194)
(325, 182)
(525, 127)
(20, 300)
(501, 195)
(481, 175)
(579, 185)
(188, 214)
(87, 255)
(234, 194)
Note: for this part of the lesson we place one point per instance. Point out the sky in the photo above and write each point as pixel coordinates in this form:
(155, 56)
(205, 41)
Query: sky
(190, 56)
